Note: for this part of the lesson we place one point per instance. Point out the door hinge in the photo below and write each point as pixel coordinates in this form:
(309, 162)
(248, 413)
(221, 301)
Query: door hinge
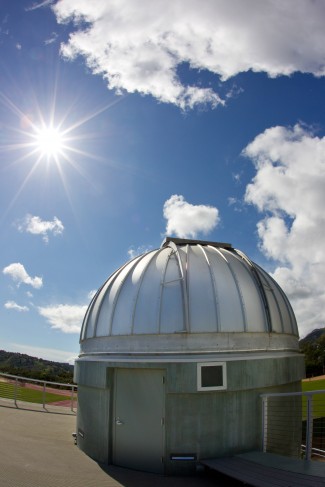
(162, 421)
(163, 380)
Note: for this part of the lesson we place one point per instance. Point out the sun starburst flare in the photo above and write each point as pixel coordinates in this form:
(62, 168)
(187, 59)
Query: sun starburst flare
(49, 140)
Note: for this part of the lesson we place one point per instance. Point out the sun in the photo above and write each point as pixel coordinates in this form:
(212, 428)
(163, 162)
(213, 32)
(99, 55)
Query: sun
(48, 137)
(49, 141)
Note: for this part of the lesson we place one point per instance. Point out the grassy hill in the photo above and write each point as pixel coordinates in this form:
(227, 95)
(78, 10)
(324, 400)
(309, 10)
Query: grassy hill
(35, 368)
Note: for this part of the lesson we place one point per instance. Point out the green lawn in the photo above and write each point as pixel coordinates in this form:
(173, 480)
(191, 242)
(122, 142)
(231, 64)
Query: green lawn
(313, 385)
(318, 399)
(30, 395)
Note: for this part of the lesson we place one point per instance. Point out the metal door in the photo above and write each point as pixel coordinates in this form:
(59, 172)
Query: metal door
(138, 428)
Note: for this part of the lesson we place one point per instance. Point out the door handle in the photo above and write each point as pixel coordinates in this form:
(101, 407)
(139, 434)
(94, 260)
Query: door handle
(118, 422)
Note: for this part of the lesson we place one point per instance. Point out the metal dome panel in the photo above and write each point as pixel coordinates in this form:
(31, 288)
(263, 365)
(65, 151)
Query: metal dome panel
(252, 304)
(202, 317)
(146, 310)
(228, 298)
(171, 303)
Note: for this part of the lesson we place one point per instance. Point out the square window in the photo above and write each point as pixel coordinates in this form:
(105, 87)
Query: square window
(211, 376)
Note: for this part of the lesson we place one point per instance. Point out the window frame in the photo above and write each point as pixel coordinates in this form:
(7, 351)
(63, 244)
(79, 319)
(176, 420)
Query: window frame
(201, 388)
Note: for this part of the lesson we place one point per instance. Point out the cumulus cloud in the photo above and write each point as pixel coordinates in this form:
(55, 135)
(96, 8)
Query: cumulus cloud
(19, 275)
(186, 220)
(36, 226)
(139, 48)
(288, 189)
(15, 306)
(64, 317)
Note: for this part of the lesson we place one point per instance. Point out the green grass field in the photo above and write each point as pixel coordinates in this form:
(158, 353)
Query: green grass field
(313, 385)
(30, 395)
(318, 399)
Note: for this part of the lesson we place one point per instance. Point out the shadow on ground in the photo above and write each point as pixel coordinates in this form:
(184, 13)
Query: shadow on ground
(132, 478)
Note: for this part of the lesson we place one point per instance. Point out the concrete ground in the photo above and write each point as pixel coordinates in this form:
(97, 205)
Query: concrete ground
(37, 450)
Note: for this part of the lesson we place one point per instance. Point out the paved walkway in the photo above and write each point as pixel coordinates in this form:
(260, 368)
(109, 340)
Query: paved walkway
(37, 450)
(268, 470)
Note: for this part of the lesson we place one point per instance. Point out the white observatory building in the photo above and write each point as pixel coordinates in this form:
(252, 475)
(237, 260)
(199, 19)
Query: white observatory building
(176, 348)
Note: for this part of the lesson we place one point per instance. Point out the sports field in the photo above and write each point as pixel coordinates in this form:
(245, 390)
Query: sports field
(33, 393)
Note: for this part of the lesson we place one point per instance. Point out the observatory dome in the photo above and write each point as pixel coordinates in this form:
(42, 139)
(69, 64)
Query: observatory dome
(186, 289)
(176, 349)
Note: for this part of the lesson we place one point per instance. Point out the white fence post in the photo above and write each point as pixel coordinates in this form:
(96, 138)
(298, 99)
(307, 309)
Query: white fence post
(309, 427)
(72, 397)
(44, 394)
(15, 392)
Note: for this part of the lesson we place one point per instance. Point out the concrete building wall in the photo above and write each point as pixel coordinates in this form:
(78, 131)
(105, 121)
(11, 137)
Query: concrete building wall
(92, 422)
(207, 424)
(94, 410)
(212, 425)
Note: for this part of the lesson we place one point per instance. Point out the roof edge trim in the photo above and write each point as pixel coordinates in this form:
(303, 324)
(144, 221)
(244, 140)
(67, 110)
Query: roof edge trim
(185, 241)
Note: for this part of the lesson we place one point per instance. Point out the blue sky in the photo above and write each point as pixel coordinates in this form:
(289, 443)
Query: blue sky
(121, 122)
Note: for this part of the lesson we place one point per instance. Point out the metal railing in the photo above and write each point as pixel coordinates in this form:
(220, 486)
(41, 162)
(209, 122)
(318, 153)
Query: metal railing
(293, 424)
(23, 389)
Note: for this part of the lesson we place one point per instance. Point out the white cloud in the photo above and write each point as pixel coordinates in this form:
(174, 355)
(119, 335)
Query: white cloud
(18, 274)
(288, 189)
(142, 249)
(237, 177)
(15, 306)
(36, 5)
(232, 201)
(236, 204)
(64, 317)
(139, 47)
(91, 294)
(36, 226)
(53, 37)
(187, 220)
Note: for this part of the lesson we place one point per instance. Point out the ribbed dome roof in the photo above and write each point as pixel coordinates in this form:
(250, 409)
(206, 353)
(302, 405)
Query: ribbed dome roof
(189, 287)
